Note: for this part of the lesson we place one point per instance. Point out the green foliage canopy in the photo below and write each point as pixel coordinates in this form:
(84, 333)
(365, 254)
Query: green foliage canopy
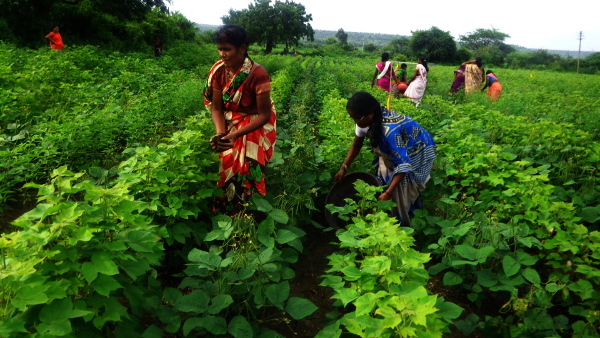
(283, 22)
(342, 36)
(482, 37)
(399, 46)
(434, 43)
(122, 25)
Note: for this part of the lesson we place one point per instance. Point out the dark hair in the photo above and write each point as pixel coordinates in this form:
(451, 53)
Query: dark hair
(424, 63)
(403, 65)
(363, 104)
(479, 62)
(233, 34)
(488, 72)
(385, 56)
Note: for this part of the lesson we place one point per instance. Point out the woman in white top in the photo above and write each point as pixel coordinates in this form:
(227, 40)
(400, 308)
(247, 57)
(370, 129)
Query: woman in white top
(417, 84)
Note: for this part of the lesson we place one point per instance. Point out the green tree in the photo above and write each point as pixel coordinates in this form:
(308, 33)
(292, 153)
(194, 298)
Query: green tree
(399, 46)
(369, 47)
(330, 41)
(342, 36)
(434, 44)
(482, 38)
(488, 44)
(80, 21)
(283, 22)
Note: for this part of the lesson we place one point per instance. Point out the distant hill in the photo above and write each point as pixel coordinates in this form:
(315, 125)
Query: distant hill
(359, 39)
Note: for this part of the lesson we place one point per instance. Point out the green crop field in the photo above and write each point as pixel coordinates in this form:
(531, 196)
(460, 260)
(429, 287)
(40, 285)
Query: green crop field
(106, 181)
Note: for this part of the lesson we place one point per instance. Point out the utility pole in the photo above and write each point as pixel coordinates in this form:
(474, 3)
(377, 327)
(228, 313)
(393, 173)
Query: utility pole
(579, 56)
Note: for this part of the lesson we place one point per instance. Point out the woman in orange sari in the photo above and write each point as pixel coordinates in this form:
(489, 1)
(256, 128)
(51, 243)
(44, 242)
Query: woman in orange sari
(237, 94)
(493, 85)
(56, 42)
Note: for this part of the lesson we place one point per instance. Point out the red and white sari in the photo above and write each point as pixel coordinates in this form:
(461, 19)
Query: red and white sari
(241, 170)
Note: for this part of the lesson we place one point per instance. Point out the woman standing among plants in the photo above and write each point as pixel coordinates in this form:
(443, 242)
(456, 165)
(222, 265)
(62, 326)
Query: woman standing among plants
(474, 74)
(417, 84)
(493, 85)
(237, 94)
(404, 152)
(56, 42)
(384, 73)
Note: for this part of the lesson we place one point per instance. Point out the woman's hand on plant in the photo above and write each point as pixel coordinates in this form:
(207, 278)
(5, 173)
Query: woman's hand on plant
(385, 196)
(339, 176)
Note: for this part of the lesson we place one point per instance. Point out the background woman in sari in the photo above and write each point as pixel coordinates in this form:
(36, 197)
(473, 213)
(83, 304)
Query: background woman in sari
(474, 75)
(417, 84)
(384, 73)
(404, 152)
(56, 42)
(459, 80)
(493, 85)
(237, 94)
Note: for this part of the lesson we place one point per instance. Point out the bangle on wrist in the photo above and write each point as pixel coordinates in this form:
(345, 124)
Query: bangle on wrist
(344, 167)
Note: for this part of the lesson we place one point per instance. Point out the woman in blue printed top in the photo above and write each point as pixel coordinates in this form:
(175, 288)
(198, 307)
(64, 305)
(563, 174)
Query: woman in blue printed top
(404, 152)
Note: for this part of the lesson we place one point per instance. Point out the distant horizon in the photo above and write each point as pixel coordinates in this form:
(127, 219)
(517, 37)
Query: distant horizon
(335, 31)
(536, 23)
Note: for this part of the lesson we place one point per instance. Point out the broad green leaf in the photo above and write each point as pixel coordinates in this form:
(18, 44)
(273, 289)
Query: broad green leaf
(346, 295)
(279, 216)
(487, 278)
(171, 295)
(219, 302)
(215, 325)
(284, 236)
(196, 301)
(56, 311)
(30, 295)
(330, 331)
(267, 333)
(299, 308)
(365, 304)
(278, 293)
(104, 264)
(142, 241)
(89, 271)
(510, 266)
(532, 276)
(55, 328)
(205, 259)
(449, 311)
(105, 284)
(582, 288)
(190, 324)
(152, 332)
(261, 203)
(452, 278)
(553, 287)
(266, 229)
(10, 326)
(240, 328)
(466, 251)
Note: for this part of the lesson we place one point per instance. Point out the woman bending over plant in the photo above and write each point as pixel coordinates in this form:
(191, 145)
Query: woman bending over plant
(404, 152)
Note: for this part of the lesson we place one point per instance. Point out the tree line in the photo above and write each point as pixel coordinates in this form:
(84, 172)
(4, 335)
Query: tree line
(124, 25)
(132, 25)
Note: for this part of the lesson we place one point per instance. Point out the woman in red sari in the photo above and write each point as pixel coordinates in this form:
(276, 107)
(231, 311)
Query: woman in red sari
(237, 94)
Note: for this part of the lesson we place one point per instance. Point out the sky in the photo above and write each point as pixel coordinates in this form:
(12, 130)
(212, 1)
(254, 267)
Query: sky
(536, 24)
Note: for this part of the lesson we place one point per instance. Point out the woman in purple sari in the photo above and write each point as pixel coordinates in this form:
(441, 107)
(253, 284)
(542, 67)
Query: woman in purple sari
(459, 80)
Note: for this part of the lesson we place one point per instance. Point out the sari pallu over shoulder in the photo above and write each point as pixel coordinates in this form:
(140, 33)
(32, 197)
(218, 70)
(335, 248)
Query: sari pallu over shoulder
(243, 165)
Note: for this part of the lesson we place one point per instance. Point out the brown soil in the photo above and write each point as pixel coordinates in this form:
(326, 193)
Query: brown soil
(310, 267)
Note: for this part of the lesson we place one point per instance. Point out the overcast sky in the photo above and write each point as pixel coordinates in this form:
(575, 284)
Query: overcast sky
(537, 24)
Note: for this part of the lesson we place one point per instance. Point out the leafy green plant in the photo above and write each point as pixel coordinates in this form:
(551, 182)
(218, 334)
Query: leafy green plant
(382, 277)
